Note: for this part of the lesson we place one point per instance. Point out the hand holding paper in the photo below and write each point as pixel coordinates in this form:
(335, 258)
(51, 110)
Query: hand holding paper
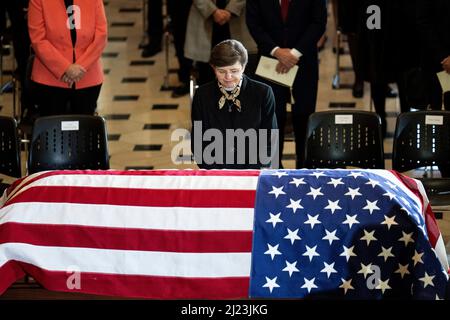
(444, 79)
(286, 59)
(267, 68)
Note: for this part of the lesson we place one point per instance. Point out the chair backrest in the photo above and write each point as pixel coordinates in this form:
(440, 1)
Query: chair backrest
(339, 139)
(9, 148)
(68, 142)
(421, 139)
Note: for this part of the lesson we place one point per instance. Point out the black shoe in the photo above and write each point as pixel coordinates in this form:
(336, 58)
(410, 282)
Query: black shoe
(391, 93)
(180, 91)
(358, 90)
(150, 50)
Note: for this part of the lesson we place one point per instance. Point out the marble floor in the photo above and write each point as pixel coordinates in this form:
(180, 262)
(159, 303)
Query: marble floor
(141, 117)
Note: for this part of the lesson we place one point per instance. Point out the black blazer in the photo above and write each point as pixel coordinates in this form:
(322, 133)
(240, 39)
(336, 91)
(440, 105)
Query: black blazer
(305, 25)
(258, 112)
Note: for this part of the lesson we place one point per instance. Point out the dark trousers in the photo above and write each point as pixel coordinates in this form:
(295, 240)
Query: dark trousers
(436, 94)
(155, 21)
(356, 57)
(378, 94)
(304, 92)
(179, 13)
(21, 40)
(58, 101)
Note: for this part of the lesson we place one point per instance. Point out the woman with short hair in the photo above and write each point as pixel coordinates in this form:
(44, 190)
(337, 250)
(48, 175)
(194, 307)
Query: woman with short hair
(240, 111)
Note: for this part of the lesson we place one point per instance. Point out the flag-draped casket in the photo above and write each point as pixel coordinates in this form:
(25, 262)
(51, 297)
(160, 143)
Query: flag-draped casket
(177, 234)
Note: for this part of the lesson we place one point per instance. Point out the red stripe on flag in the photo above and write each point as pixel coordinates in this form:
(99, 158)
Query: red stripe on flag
(430, 220)
(138, 197)
(127, 239)
(212, 173)
(11, 272)
(141, 286)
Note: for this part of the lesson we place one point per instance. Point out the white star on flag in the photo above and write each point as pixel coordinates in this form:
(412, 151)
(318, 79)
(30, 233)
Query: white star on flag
(311, 252)
(371, 206)
(346, 285)
(273, 251)
(365, 270)
(295, 205)
(368, 236)
(427, 280)
(291, 267)
(329, 269)
(353, 193)
(386, 253)
(355, 175)
(297, 182)
(277, 191)
(373, 183)
(309, 284)
(417, 258)
(312, 221)
(314, 192)
(274, 219)
(336, 182)
(271, 283)
(351, 220)
(280, 174)
(390, 195)
(389, 221)
(333, 206)
(407, 238)
(330, 236)
(383, 285)
(402, 269)
(318, 174)
(292, 235)
(348, 252)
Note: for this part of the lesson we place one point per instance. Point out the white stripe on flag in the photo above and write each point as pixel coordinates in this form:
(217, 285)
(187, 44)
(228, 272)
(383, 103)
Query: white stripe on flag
(164, 218)
(151, 182)
(128, 262)
(145, 182)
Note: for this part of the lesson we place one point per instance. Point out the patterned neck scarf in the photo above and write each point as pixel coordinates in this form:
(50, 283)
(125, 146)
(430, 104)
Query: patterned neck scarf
(232, 96)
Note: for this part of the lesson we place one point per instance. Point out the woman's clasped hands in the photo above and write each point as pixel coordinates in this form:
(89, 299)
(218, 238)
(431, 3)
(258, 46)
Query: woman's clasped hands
(73, 74)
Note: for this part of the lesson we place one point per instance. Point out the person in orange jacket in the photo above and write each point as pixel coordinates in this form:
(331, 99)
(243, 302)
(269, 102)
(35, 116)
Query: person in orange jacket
(68, 40)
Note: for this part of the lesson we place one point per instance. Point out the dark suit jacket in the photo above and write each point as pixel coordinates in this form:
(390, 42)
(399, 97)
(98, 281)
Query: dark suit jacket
(258, 112)
(305, 25)
(386, 52)
(433, 18)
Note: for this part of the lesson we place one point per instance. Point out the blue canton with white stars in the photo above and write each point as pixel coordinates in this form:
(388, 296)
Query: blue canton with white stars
(352, 234)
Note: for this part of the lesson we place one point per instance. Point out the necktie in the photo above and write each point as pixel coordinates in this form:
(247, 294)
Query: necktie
(284, 9)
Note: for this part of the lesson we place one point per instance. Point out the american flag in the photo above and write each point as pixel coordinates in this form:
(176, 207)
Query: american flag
(354, 234)
(186, 234)
(152, 234)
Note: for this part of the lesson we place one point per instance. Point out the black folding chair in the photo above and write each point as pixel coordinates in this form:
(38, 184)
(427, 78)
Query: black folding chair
(9, 150)
(422, 139)
(68, 142)
(339, 139)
